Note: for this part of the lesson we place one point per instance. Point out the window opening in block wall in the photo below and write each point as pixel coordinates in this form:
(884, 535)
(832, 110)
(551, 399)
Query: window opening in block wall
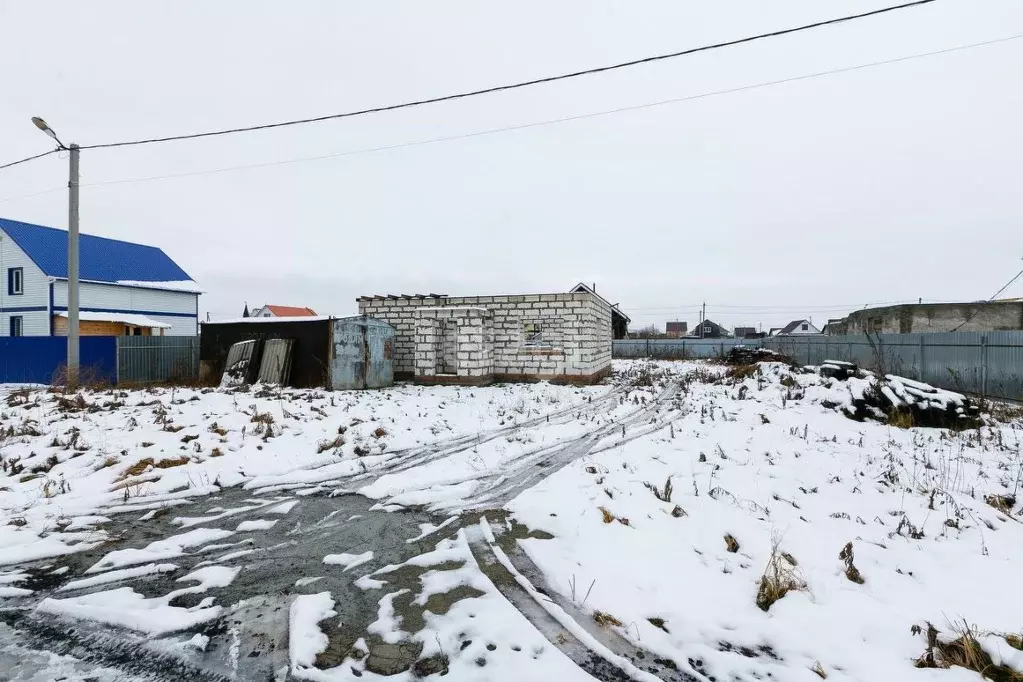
(533, 335)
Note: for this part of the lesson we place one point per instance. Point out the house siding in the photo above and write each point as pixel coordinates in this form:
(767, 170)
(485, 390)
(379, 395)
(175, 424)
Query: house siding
(181, 306)
(36, 288)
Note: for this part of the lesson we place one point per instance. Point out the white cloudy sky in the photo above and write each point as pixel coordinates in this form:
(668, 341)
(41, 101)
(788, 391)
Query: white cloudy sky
(807, 198)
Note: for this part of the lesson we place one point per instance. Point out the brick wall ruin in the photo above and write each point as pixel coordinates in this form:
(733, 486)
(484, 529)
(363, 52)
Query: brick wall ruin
(555, 337)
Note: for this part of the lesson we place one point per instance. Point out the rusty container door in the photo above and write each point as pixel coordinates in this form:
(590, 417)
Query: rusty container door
(360, 354)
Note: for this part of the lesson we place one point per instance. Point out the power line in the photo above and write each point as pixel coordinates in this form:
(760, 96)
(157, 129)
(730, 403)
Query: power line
(993, 297)
(29, 158)
(514, 86)
(536, 124)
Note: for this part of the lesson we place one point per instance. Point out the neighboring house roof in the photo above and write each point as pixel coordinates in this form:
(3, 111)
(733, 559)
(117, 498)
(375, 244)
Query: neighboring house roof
(289, 311)
(794, 325)
(581, 287)
(99, 259)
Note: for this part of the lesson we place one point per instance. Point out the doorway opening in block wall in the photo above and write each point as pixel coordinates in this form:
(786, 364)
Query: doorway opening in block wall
(447, 347)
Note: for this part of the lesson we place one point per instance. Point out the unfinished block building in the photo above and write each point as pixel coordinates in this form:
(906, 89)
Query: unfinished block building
(475, 340)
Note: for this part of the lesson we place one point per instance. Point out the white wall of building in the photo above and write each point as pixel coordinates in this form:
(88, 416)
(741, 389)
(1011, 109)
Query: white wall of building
(36, 288)
(149, 302)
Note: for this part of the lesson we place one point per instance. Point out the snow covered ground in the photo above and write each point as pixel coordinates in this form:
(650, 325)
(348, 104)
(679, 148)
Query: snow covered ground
(611, 532)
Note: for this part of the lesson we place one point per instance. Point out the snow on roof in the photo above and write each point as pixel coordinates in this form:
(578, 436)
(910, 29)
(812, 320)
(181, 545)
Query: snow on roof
(100, 259)
(186, 285)
(263, 320)
(132, 319)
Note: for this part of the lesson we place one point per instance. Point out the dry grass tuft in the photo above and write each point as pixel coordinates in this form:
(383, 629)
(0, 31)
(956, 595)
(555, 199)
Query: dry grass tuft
(731, 544)
(964, 651)
(740, 372)
(1003, 503)
(325, 445)
(380, 432)
(1013, 640)
(664, 495)
(217, 429)
(216, 452)
(780, 577)
(819, 669)
(901, 419)
(606, 620)
(606, 514)
(171, 463)
(137, 468)
(851, 572)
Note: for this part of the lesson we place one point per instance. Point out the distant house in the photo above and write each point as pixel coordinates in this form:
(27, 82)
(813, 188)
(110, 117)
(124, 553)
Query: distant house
(746, 333)
(282, 311)
(797, 328)
(708, 329)
(619, 320)
(676, 330)
(125, 289)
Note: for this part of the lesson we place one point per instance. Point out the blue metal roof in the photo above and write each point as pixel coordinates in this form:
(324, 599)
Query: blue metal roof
(99, 259)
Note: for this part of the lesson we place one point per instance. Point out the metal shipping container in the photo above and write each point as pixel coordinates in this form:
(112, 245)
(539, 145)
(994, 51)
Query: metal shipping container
(360, 353)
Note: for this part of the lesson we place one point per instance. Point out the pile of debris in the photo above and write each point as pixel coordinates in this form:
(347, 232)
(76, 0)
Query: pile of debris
(900, 401)
(750, 355)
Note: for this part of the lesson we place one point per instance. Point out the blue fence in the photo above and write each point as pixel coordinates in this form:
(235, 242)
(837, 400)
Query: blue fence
(36, 359)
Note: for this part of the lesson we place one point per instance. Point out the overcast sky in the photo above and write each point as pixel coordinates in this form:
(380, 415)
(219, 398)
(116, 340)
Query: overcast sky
(802, 199)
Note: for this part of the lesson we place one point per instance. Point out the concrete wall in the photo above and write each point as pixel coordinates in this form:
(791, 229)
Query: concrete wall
(576, 329)
(454, 341)
(936, 317)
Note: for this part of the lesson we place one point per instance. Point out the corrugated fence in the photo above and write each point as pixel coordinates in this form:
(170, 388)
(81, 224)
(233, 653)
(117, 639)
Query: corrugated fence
(985, 363)
(145, 359)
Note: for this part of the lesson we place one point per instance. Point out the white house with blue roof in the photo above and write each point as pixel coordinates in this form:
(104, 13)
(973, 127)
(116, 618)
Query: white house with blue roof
(125, 288)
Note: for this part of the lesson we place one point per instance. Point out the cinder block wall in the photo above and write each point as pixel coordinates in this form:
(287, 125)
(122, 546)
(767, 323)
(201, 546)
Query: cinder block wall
(577, 326)
(939, 317)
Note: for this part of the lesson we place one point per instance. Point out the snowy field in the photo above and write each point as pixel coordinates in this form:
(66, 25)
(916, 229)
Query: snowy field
(684, 521)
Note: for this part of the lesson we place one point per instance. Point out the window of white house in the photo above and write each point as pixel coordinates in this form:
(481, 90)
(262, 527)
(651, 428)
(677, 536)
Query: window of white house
(806, 327)
(17, 325)
(15, 281)
(533, 335)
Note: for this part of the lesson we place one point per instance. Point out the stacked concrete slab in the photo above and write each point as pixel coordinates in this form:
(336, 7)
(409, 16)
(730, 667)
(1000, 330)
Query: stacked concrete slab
(491, 333)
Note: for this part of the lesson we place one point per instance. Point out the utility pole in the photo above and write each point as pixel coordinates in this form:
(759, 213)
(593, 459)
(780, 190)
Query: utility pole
(72, 272)
(703, 318)
(72, 254)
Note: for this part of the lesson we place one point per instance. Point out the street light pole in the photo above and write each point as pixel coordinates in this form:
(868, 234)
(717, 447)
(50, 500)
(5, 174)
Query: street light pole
(72, 271)
(72, 255)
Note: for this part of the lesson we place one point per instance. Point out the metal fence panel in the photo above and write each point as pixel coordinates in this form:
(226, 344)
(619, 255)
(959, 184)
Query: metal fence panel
(38, 359)
(985, 363)
(144, 359)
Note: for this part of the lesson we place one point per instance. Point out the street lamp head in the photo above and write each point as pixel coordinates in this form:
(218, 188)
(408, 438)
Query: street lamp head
(43, 126)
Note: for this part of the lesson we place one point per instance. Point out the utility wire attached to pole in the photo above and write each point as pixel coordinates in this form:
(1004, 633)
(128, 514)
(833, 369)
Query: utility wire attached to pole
(520, 84)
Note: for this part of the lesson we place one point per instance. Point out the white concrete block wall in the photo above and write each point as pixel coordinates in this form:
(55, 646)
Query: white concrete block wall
(35, 321)
(577, 327)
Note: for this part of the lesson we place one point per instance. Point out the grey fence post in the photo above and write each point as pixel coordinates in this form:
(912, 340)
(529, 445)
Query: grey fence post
(648, 348)
(921, 377)
(983, 360)
(683, 348)
(808, 350)
(825, 358)
(722, 350)
(117, 360)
